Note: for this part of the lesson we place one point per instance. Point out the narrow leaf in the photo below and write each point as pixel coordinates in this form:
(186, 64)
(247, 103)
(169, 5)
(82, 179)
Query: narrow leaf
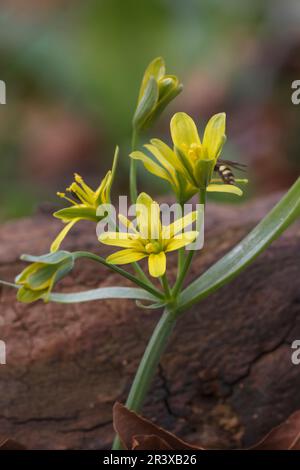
(101, 294)
(95, 294)
(227, 268)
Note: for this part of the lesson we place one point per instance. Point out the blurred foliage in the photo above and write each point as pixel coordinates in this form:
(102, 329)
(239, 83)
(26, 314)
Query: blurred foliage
(87, 58)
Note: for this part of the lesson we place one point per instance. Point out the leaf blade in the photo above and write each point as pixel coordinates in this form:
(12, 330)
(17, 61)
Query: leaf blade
(101, 294)
(227, 268)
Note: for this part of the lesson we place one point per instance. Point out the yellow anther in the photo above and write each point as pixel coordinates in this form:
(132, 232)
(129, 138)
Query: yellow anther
(149, 248)
(78, 178)
(153, 247)
(63, 196)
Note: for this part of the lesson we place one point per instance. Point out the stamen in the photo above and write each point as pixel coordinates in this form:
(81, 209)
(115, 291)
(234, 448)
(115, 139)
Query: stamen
(80, 193)
(63, 196)
(194, 151)
(90, 193)
(153, 247)
(149, 248)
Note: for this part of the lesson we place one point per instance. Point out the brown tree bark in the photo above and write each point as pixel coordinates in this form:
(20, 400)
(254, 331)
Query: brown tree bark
(227, 375)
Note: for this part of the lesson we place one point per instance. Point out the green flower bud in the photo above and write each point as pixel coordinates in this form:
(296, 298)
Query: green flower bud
(37, 280)
(157, 90)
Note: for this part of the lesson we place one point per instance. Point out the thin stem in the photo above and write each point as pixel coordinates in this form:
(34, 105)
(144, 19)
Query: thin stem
(202, 197)
(140, 273)
(166, 286)
(181, 254)
(133, 172)
(149, 364)
(188, 260)
(183, 273)
(133, 197)
(122, 272)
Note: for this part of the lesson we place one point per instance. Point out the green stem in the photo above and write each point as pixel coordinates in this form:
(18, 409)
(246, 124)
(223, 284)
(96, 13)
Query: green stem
(122, 272)
(140, 273)
(165, 284)
(181, 254)
(149, 364)
(182, 273)
(133, 172)
(188, 260)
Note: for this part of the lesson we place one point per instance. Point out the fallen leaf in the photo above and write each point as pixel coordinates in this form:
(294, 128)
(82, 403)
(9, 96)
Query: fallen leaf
(10, 444)
(286, 436)
(136, 432)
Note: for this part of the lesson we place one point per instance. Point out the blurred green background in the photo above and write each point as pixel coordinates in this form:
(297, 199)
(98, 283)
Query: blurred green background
(73, 70)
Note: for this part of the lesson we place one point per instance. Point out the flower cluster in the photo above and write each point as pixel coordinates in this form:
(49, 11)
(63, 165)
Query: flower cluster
(188, 167)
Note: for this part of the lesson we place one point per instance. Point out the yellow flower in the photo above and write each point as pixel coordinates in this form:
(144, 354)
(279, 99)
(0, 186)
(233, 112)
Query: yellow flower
(84, 207)
(150, 239)
(37, 280)
(190, 165)
(156, 91)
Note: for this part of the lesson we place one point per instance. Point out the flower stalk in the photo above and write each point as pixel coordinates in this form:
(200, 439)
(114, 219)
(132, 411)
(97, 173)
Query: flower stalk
(133, 169)
(149, 363)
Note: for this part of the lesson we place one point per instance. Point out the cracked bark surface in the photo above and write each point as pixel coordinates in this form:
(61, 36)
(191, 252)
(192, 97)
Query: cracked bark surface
(225, 379)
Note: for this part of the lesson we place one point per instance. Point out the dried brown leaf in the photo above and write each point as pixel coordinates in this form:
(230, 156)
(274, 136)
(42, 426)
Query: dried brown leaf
(10, 444)
(286, 436)
(139, 433)
(149, 443)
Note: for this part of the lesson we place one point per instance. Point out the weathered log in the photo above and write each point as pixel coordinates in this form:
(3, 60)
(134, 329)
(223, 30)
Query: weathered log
(227, 375)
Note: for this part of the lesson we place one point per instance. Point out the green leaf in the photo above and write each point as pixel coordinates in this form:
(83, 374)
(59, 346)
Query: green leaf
(150, 306)
(95, 294)
(103, 293)
(227, 268)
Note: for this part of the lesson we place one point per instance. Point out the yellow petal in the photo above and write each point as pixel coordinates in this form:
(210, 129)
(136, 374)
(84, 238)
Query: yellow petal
(161, 159)
(179, 225)
(125, 257)
(127, 223)
(26, 295)
(181, 240)
(32, 268)
(224, 188)
(157, 264)
(148, 217)
(57, 242)
(151, 166)
(122, 239)
(169, 155)
(214, 136)
(184, 131)
(102, 194)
